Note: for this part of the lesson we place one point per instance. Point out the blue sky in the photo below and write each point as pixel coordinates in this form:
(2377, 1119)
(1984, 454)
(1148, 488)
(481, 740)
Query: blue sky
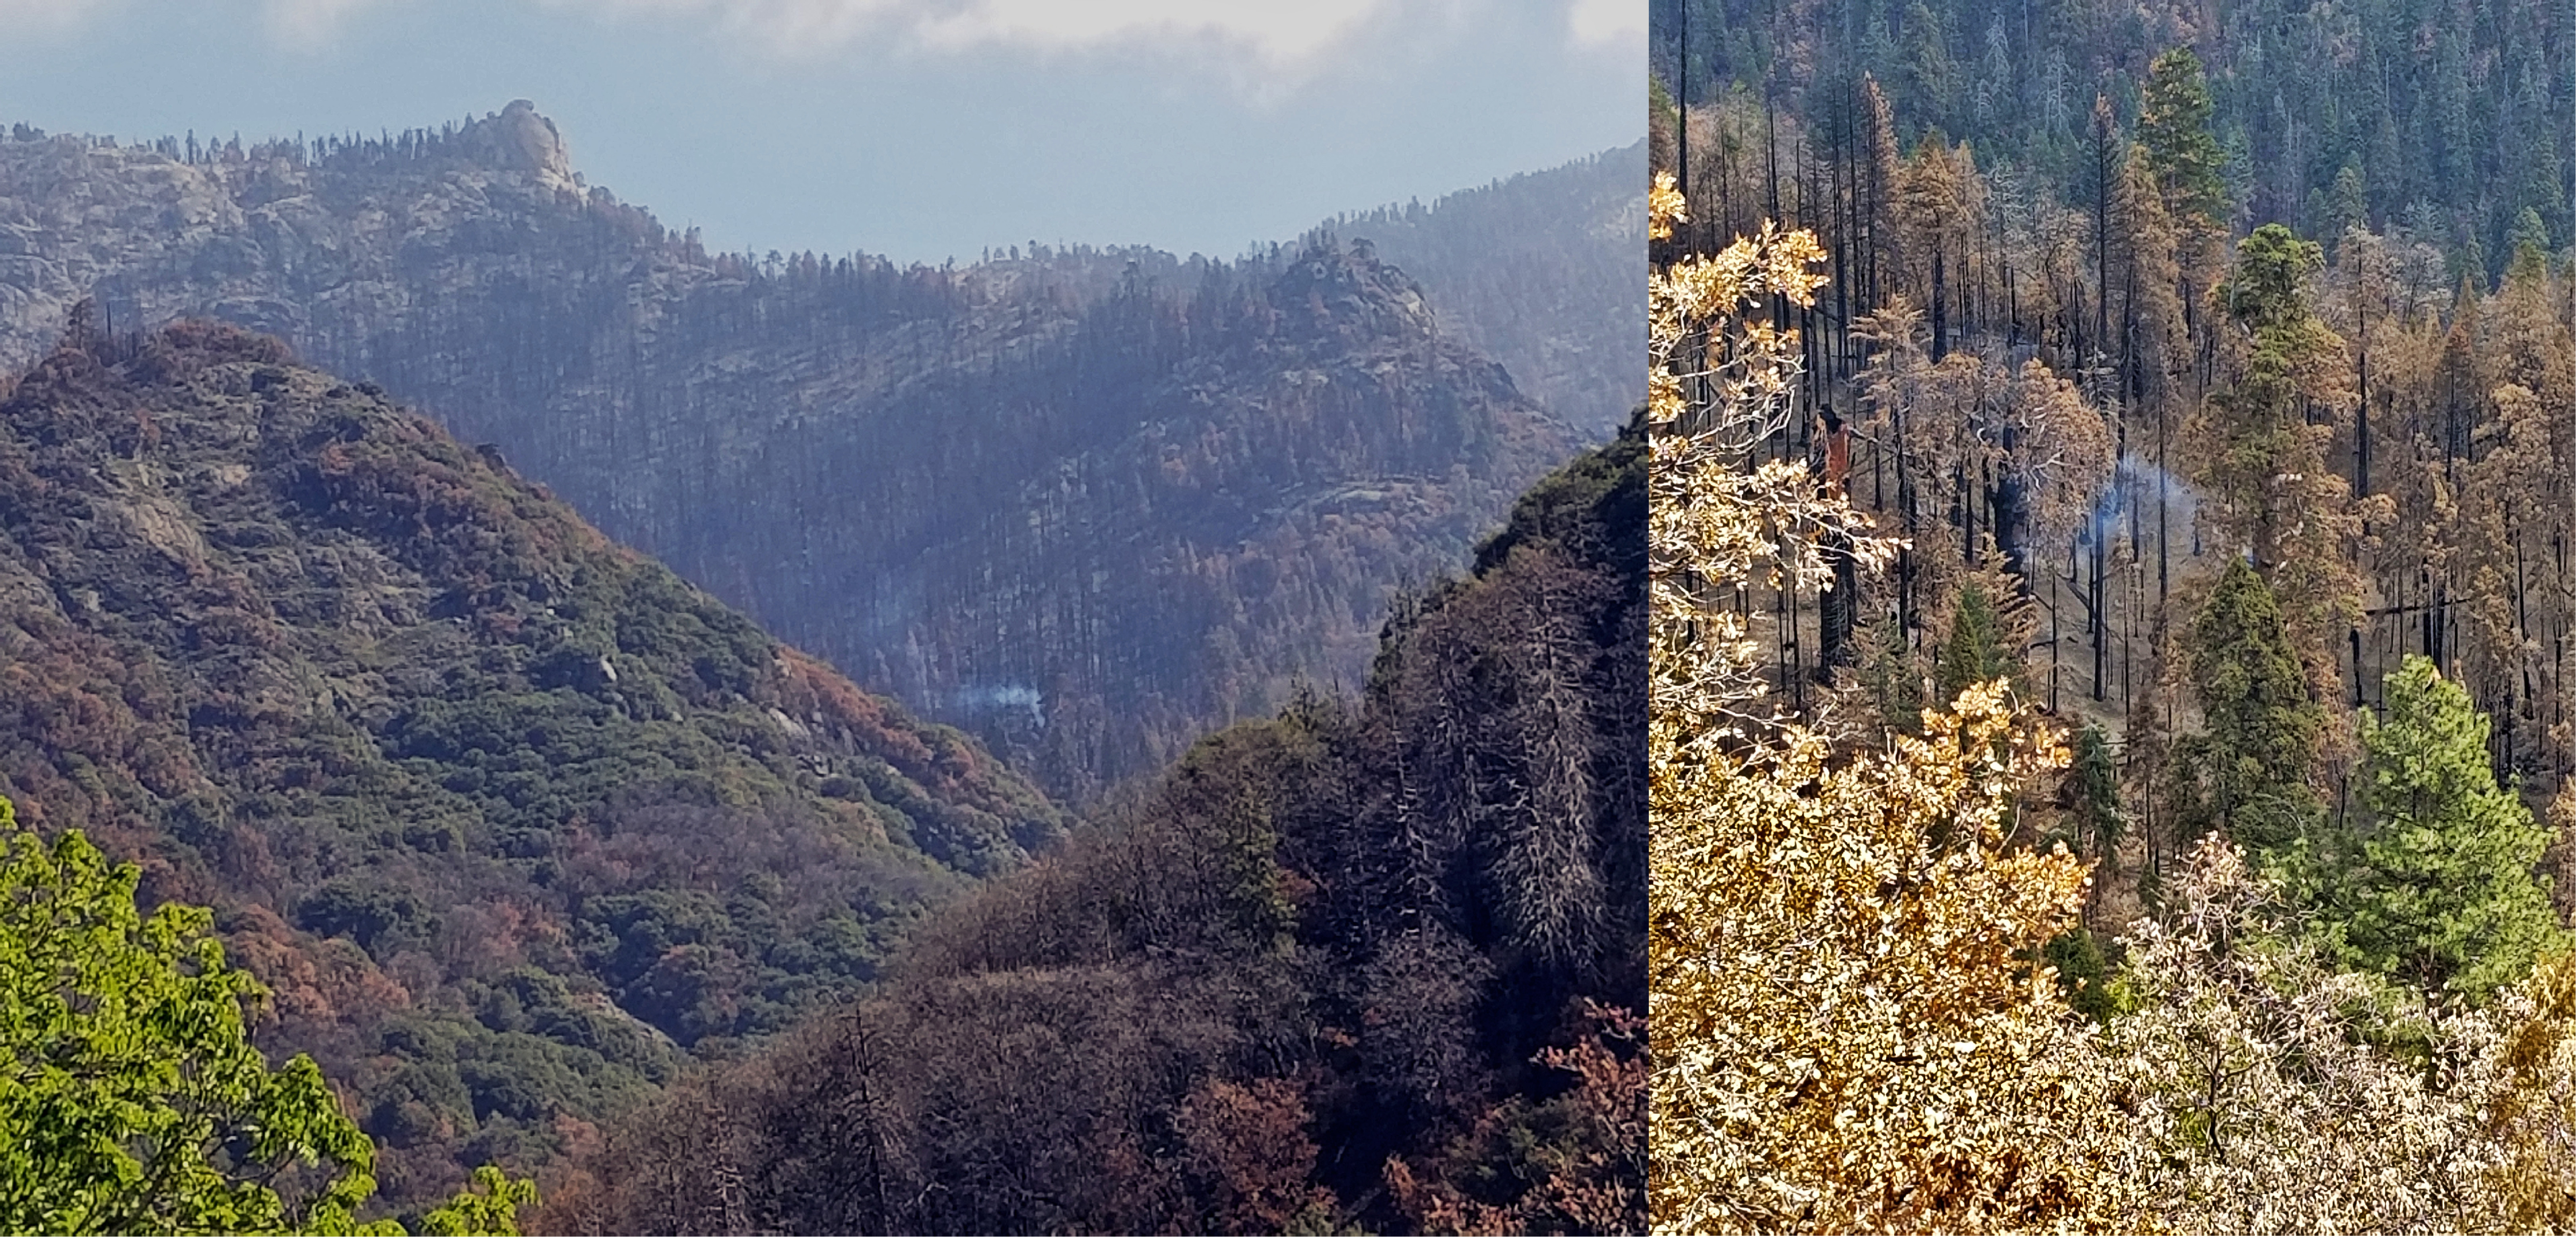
(920, 129)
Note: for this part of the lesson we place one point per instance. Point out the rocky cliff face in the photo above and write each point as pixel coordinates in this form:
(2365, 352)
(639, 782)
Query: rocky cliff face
(1545, 272)
(1087, 503)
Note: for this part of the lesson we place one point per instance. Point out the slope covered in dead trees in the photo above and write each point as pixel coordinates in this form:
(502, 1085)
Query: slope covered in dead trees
(512, 820)
(1373, 961)
(2091, 386)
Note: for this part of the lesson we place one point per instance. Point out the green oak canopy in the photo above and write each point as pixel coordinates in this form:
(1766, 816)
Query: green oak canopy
(131, 1097)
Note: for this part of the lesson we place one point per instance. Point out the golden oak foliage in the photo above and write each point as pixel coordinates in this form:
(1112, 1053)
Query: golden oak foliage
(2534, 1118)
(1840, 1035)
(1719, 383)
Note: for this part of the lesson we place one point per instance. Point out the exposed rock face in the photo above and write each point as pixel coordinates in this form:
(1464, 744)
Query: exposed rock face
(1086, 503)
(523, 141)
(1546, 272)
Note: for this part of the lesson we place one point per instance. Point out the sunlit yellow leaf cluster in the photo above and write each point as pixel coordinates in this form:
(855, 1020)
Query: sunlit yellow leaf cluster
(1665, 207)
(1843, 1037)
(1842, 1034)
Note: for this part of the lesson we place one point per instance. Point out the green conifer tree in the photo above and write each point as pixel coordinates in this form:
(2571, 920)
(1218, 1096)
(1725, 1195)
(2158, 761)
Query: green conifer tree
(2173, 128)
(2268, 292)
(2437, 887)
(2246, 773)
(2528, 242)
(1976, 651)
(1895, 680)
(2348, 206)
(2091, 791)
(2528, 230)
(2093, 822)
(2260, 449)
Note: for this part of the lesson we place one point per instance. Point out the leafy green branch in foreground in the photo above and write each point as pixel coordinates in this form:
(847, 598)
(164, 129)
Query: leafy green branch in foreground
(131, 1097)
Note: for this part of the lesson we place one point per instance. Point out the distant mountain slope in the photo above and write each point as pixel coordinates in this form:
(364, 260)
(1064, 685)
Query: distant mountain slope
(1546, 272)
(510, 817)
(1088, 503)
(1349, 969)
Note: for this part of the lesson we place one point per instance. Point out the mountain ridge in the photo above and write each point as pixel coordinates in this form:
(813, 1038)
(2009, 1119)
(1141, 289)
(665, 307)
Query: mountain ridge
(714, 410)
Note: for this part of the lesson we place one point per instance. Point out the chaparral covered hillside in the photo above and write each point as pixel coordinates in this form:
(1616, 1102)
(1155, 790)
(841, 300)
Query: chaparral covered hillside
(514, 821)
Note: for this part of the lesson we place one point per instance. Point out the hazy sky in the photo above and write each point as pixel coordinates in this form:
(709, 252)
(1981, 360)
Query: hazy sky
(922, 129)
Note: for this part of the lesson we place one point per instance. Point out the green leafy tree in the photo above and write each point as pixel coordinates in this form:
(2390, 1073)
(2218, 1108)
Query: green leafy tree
(2439, 888)
(2245, 774)
(489, 1209)
(131, 1097)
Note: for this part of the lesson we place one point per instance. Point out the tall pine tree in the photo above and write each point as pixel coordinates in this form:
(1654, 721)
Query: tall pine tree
(2261, 444)
(2173, 128)
(1977, 650)
(2437, 886)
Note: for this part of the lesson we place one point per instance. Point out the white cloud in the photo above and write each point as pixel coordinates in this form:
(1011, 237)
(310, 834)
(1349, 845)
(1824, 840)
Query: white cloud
(308, 25)
(1276, 34)
(299, 24)
(1596, 22)
(1279, 33)
(21, 17)
(1267, 48)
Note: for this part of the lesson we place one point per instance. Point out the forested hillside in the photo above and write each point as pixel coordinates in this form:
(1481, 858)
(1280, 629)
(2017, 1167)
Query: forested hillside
(513, 822)
(1088, 503)
(2439, 119)
(2161, 570)
(1373, 962)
